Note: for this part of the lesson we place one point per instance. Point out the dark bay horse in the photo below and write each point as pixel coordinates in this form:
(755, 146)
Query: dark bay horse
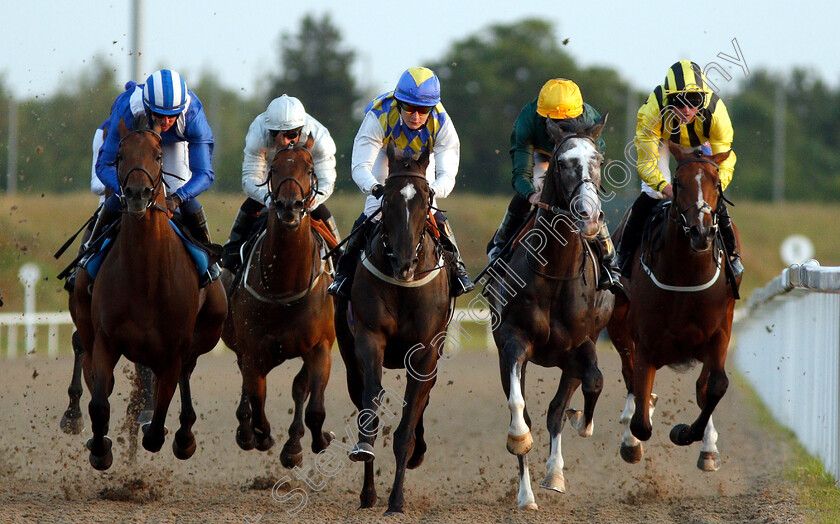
(145, 304)
(280, 310)
(396, 318)
(679, 309)
(550, 312)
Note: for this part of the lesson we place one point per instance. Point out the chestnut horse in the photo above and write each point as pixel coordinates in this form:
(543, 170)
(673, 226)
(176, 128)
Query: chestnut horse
(396, 318)
(550, 311)
(280, 310)
(679, 309)
(145, 304)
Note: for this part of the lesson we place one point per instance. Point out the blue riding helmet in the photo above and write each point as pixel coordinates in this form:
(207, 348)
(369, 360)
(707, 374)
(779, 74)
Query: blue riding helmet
(418, 86)
(165, 92)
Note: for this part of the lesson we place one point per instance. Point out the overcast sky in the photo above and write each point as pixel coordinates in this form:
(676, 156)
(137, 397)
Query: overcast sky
(44, 44)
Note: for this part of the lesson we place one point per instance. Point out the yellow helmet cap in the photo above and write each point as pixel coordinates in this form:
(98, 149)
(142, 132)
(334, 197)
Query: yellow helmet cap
(560, 98)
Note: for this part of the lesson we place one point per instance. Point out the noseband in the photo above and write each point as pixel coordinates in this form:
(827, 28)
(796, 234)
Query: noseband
(155, 180)
(704, 208)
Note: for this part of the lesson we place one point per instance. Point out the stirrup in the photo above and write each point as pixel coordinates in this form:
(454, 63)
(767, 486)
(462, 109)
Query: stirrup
(737, 266)
(336, 289)
(211, 275)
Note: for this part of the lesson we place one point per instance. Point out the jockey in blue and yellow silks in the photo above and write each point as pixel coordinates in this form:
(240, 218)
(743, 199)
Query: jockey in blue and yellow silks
(413, 118)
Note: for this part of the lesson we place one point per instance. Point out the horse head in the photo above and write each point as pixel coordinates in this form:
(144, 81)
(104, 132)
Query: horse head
(291, 181)
(696, 191)
(574, 173)
(139, 164)
(405, 207)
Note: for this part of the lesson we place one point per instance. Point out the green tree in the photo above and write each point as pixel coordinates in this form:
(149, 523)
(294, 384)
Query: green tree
(315, 69)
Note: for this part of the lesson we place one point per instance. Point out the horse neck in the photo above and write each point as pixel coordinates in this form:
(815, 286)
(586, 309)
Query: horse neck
(287, 255)
(142, 243)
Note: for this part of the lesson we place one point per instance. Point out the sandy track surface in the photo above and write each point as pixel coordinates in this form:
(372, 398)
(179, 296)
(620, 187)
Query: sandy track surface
(467, 476)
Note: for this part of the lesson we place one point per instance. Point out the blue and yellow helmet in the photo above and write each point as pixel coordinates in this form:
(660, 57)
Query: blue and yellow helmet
(418, 86)
(165, 92)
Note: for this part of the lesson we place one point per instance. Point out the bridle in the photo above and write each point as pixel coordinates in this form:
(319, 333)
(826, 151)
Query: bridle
(273, 187)
(387, 250)
(681, 219)
(155, 180)
(568, 196)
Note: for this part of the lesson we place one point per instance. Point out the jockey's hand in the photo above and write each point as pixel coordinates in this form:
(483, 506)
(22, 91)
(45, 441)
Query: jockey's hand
(668, 191)
(377, 190)
(172, 203)
(534, 198)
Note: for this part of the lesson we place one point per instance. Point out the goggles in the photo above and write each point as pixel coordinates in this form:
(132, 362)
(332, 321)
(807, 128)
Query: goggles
(410, 109)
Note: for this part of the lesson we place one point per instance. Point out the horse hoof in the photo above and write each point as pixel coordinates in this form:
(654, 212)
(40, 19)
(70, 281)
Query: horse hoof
(554, 482)
(415, 461)
(529, 505)
(631, 454)
(103, 461)
(264, 443)
(183, 452)
(709, 461)
(367, 500)
(520, 444)
(680, 435)
(362, 452)
(575, 417)
(150, 442)
(394, 511)
(145, 417)
(291, 460)
(246, 443)
(72, 423)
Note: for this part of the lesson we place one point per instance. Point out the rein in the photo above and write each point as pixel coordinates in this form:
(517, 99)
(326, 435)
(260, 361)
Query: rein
(274, 187)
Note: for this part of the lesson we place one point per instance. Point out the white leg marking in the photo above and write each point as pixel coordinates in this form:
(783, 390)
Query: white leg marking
(516, 404)
(628, 440)
(710, 436)
(525, 497)
(554, 476)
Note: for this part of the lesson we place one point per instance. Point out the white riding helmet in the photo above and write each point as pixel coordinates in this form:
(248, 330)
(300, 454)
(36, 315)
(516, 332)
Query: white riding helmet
(284, 113)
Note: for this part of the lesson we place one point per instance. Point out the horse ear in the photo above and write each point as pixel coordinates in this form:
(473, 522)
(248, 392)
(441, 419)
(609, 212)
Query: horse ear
(721, 157)
(553, 130)
(391, 151)
(309, 142)
(424, 158)
(277, 140)
(595, 129)
(676, 151)
(122, 128)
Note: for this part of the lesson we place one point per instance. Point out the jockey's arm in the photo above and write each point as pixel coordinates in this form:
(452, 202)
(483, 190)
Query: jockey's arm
(648, 131)
(201, 166)
(447, 150)
(323, 157)
(721, 135)
(368, 143)
(522, 154)
(254, 172)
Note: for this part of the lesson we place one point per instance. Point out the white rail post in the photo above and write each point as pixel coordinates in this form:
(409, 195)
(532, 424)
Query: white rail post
(29, 275)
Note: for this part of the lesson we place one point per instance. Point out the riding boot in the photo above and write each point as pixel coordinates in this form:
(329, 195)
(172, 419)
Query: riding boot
(631, 237)
(459, 281)
(609, 278)
(331, 225)
(197, 224)
(70, 283)
(239, 234)
(727, 234)
(346, 267)
(510, 223)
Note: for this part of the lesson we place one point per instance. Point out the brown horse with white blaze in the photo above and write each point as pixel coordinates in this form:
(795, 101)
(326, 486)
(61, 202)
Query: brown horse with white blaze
(547, 300)
(399, 310)
(145, 304)
(280, 310)
(678, 309)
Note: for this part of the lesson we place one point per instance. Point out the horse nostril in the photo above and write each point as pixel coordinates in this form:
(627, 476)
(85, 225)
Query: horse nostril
(128, 192)
(147, 193)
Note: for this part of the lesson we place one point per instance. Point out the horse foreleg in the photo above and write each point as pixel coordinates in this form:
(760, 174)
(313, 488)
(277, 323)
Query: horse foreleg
(554, 478)
(711, 386)
(643, 375)
(370, 355)
(416, 458)
(512, 362)
(71, 421)
(183, 445)
(525, 496)
(292, 454)
(631, 449)
(244, 433)
(592, 383)
(154, 432)
(318, 363)
(368, 495)
(417, 391)
(253, 381)
(99, 408)
(145, 386)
